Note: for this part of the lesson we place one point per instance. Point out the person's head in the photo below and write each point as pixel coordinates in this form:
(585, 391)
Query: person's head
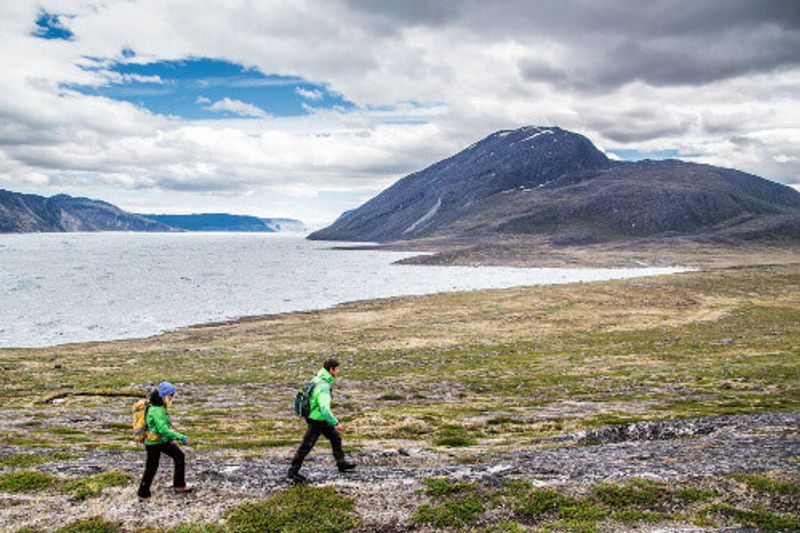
(332, 366)
(167, 391)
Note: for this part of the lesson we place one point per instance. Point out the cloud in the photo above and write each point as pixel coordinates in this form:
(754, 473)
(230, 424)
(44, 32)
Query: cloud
(717, 81)
(312, 94)
(237, 107)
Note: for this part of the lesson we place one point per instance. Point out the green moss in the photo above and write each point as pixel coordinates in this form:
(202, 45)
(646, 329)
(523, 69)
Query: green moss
(761, 483)
(694, 494)
(301, 509)
(450, 513)
(21, 460)
(637, 515)
(760, 518)
(506, 527)
(583, 511)
(540, 501)
(64, 431)
(636, 492)
(570, 526)
(441, 486)
(90, 525)
(91, 486)
(453, 436)
(199, 528)
(26, 481)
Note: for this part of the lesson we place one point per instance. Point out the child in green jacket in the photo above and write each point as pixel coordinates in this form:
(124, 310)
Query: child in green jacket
(161, 439)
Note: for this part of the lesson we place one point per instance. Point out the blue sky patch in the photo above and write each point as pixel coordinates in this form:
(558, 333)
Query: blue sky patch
(50, 26)
(638, 155)
(202, 88)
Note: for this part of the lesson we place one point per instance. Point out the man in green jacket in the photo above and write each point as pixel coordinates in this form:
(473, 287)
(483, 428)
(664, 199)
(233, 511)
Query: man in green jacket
(321, 422)
(161, 439)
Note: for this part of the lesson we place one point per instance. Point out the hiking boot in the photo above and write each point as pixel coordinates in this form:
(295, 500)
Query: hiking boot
(298, 478)
(344, 466)
(182, 490)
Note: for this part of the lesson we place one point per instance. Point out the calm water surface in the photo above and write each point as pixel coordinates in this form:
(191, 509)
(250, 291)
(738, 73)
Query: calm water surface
(60, 288)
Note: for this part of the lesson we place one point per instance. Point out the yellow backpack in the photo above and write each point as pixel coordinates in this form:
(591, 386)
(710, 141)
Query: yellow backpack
(139, 412)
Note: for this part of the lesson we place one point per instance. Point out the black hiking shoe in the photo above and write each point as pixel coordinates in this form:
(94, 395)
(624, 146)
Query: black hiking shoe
(344, 466)
(182, 490)
(297, 478)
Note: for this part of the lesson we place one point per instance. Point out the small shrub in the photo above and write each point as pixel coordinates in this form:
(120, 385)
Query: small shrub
(90, 525)
(760, 518)
(22, 460)
(453, 436)
(761, 483)
(637, 492)
(506, 527)
(451, 513)
(636, 515)
(198, 528)
(65, 431)
(693, 494)
(25, 481)
(540, 501)
(441, 486)
(88, 487)
(571, 526)
(300, 509)
(582, 511)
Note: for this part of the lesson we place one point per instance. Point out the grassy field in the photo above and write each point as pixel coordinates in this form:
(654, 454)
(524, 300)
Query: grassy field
(467, 371)
(462, 376)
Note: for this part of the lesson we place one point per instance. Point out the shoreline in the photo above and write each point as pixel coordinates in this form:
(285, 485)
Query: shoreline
(361, 301)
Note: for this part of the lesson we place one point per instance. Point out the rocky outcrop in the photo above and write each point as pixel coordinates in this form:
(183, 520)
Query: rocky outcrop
(551, 183)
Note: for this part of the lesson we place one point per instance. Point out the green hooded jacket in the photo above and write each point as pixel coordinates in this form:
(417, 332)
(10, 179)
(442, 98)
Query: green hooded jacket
(158, 425)
(320, 401)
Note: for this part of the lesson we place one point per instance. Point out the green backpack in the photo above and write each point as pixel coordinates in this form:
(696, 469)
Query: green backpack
(302, 400)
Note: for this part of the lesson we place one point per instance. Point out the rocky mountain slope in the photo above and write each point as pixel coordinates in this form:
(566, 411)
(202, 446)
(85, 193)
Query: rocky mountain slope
(26, 213)
(553, 183)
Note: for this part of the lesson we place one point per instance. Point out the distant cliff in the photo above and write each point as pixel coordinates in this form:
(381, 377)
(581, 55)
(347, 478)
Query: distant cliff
(552, 183)
(26, 213)
(226, 222)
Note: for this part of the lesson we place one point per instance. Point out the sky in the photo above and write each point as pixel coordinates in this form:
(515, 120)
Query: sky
(305, 109)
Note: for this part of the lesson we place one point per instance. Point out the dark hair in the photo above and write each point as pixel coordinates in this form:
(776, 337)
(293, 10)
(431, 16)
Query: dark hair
(155, 398)
(330, 363)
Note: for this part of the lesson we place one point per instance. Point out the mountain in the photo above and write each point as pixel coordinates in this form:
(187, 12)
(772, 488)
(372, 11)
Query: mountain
(226, 222)
(25, 213)
(552, 183)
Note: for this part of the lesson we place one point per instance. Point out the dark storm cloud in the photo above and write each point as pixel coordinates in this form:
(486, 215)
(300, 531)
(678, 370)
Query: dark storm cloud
(603, 45)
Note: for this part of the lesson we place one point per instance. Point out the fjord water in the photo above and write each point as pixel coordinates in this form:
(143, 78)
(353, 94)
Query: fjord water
(72, 287)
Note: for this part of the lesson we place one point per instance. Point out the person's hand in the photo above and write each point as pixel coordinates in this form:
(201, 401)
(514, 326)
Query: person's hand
(339, 428)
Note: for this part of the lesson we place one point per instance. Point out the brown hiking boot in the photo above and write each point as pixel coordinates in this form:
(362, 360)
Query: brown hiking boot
(182, 490)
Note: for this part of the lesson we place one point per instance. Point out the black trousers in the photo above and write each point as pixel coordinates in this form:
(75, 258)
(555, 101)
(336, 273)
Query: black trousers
(315, 429)
(154, 452)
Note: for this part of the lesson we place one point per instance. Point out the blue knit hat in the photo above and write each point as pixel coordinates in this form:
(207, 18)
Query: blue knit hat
(165, 388)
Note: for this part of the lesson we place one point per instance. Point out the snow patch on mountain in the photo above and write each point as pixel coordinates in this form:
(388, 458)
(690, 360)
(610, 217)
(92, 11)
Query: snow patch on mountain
(426, 217)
